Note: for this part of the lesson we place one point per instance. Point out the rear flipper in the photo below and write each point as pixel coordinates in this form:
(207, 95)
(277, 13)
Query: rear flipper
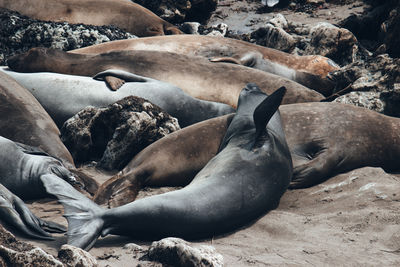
(84, 216)
(14, 211)
(323, 166)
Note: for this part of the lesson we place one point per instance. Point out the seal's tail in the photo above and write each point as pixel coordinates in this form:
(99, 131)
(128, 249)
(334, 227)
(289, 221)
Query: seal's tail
(84, 216)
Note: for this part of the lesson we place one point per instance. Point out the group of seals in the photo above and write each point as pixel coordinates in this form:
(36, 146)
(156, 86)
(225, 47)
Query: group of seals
(310, 71)
(121, 13)
(324, 139)
(62, 96)
(196, 76)
(243, 181)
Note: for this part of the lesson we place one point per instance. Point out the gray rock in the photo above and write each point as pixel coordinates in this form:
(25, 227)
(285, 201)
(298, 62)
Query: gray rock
(178, 252)
(279, 21)
(274, 37)
(218, 30)
(339, 44)
(20, 33)
(76, 257)
(114, 134)
(369, 100)
(17, 253)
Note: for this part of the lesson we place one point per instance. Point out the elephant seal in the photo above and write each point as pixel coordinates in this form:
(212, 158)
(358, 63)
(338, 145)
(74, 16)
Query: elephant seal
(310, 71)
(23, 120)
(233, 189)
(16, 214)
(62, 96)
(194, 75)
(124, 14)
(325, 139)
(20, 170)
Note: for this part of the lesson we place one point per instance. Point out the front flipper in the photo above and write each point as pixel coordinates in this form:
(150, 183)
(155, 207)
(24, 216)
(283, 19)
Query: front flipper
(113, 83)
(116, 78)
(225, 60)
(14, 212)
(317, 170)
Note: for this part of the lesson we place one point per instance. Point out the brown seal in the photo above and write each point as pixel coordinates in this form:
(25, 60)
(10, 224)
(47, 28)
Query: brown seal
(121, 13)
(310, 71)
(324, 139)
(194, 75)
(25, 121)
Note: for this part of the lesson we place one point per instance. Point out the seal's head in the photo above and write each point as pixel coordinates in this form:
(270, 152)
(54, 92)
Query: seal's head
(34, 60)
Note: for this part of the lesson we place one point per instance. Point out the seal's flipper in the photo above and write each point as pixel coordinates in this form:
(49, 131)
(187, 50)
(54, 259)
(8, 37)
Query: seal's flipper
(83, 215)
(113, 83)
(121, 74)
(52, 227)
(317, 170)
(225, 60)
(15, 213)
(264, 111)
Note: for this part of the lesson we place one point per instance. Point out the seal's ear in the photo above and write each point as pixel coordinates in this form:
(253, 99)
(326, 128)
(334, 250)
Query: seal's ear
(266, 109)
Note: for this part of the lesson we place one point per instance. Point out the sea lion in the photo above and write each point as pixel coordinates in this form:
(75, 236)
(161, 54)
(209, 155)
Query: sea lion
(20, 172)
(62, 96)
(310, 71)
(242, 182)
(124, 14)
(194, 75)
(23, 120)
(325, 139)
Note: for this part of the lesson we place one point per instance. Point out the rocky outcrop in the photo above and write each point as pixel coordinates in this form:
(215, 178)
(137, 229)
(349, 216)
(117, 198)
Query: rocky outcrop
(73, 256)
(181, 10)
(178, 252)
(20, 33)
(114, 134)
(17, 253)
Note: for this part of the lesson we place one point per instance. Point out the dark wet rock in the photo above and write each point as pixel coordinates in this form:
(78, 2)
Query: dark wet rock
(378, 25)
(338, 44)
(114, 134)
(20, 33)
(220, 29)
(274, 37)
(379, 75)
(73, 256)
(178, 11)
(178, 252)
(17, 253)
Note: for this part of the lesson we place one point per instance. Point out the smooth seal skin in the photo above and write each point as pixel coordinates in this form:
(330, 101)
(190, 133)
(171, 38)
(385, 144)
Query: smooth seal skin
(23, 119)
(62, 96)
(21, 168)
(124, 14)
(310, 71)
(194, 75)
(243, 181)
(15, 213)
(325, 139)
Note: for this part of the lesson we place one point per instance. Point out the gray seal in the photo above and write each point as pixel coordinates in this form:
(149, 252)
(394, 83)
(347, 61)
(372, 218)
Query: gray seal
(21, 168)
(242, 182)
(62, 96)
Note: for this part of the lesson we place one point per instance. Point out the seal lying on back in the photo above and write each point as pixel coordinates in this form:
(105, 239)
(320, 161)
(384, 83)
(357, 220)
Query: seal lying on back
(324, 139)
(310, 71)
(194, 75)
(121, 13)
(242, 182)
(21, 168)
(62, 96)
